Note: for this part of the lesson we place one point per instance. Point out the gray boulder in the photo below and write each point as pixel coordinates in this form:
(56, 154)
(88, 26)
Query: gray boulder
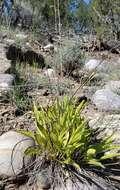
(13, 159)
(114, 86)
(4, 65)
(106, 121)
(106, 100)
(111, 123)
(93, 64)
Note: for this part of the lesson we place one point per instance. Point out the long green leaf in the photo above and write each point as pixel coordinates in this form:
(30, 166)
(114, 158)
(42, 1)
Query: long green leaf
(95, 163)
(27, 133)
(110, 155)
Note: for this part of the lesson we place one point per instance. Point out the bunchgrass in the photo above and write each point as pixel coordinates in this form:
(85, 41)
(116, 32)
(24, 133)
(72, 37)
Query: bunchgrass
(63, 135)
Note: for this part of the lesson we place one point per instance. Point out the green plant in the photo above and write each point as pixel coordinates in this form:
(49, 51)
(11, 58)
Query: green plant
(72, 57)
(68, 57)
(20, 99)
(62, 135)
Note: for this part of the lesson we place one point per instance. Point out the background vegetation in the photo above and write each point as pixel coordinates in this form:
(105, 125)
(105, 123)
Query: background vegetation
(101, 17)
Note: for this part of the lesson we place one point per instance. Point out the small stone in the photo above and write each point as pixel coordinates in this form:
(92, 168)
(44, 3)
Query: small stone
(43, 180)
(6, 80)
(48, 47)
(9, 41)
(21, 36)
(49, 73)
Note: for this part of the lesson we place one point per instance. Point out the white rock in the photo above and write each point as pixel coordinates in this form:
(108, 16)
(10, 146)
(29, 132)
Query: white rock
(49, 73)
(48, 47)
(4, 85)
(21, 36)
(6, 80)
(9, 41)
(114, 86)
(12, 157)
(4, 65)
(93, 64)
(106, 100)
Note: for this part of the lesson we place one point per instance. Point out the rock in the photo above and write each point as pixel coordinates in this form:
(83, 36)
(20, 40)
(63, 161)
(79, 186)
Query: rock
(48, 47)
(106, 121)
(114, 86)
(9, 41)
(13, 159)
(106, 100)
(49, 73)
(43, 180)
(111, 123)
(3, 35)
(21, 36)
(4, 65)
(100, 77)
(89, 91)
(93, 64)
(6, 80)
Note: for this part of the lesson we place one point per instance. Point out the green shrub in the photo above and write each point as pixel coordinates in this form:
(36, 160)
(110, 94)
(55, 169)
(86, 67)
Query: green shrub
(72, 57)
(19, 98)
(62, 135)
(68, 57)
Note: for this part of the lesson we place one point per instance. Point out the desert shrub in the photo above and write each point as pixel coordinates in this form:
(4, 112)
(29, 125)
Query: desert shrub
(72, 58)
(69, 57)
